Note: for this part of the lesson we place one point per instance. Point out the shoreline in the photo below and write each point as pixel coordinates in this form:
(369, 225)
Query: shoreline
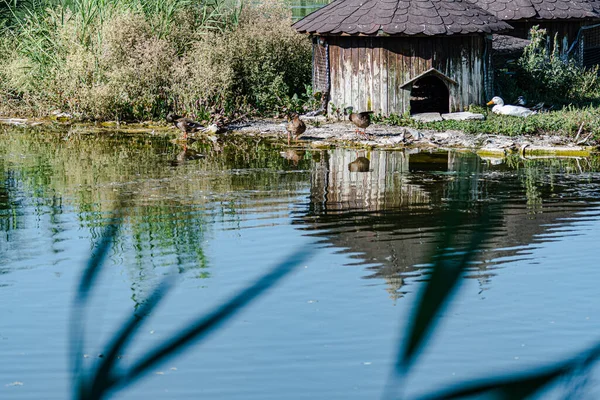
(322, 134)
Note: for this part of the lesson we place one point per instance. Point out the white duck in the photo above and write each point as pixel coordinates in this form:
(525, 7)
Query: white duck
(515, 111)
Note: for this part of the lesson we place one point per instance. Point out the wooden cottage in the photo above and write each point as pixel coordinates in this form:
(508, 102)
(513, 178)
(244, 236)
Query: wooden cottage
(575, 23)
(394, 57)
(562, 17)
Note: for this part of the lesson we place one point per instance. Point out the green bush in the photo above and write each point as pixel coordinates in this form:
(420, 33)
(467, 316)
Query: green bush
(134, 60)
(256, 68)
(545, 74)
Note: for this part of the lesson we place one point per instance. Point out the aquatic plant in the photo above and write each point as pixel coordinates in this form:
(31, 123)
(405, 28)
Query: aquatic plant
(105, 376)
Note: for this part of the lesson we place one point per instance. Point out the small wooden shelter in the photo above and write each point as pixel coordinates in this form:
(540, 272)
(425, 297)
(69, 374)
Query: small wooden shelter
(399, 56)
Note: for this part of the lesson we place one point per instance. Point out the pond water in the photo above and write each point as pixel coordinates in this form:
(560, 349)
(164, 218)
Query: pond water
(219, 218)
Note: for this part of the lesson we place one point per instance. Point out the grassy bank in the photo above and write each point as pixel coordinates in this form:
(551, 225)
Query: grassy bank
(138, 60)
(540, 75)
(567, 121)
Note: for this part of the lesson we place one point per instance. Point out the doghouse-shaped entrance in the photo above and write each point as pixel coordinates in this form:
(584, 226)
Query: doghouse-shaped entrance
(368, 54)
(429, 92)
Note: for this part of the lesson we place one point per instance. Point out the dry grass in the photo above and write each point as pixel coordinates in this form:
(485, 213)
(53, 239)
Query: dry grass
(124, 65)
(257, 67)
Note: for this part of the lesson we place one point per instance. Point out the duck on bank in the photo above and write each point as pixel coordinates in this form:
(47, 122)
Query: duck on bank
(185, 125)
(502, 109)
(295, 127)
(361, 120)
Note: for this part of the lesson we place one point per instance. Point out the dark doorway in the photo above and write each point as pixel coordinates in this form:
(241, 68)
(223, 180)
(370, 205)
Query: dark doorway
(429, 94)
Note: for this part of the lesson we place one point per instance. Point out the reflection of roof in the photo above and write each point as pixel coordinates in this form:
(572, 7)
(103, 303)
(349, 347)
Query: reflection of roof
(504, 44)
(511, 10)
(400, 17)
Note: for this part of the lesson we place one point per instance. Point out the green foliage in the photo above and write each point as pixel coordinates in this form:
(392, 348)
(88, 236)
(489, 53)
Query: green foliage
(546, 73)
(139, 59)
(262, 66)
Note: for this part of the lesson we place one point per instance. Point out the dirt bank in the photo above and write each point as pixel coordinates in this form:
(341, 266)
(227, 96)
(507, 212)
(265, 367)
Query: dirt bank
(321, 133)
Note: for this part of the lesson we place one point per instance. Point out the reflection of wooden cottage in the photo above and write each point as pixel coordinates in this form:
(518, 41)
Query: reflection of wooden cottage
(388, 218)
(380, 185)
(402, 56)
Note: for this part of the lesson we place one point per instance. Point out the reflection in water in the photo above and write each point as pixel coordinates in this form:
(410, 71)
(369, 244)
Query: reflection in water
(382, 207)
(186, 154)
(222, 215)
(295, 156)
(170, 211)
(336, 186)
(361, 164)
(388, 219)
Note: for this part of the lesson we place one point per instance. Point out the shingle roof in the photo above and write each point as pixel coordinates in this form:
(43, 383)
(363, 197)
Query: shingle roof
(510, 10)
(400, 17)
(505, 44)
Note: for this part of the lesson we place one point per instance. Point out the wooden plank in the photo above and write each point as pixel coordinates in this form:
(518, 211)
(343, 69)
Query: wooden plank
(434, 53)
(347, 72)
(428, 53)
(333, 73)
(362, 73)
(476, 70)
(355, 91)
(404, 74)
(376, 70)
(392, 75)
(418, 57)
(336, 90)
(413, 62)
(383, 58)
(369, 74)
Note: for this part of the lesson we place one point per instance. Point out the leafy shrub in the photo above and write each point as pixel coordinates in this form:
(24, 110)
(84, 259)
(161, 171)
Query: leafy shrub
(132, 59)
(543, 73)
(257, 67)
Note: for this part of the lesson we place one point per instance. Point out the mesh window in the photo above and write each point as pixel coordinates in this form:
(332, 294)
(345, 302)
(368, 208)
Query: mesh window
(320, 65)
(589, 47)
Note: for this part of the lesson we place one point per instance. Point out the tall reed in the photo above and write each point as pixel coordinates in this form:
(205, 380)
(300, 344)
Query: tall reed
(137, 59)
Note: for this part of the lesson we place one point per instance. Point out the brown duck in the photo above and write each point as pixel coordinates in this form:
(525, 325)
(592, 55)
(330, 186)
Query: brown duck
(185, 125)
(186, 155)
(295, 156)
(295, 126)
(360, 120)
(361, 164)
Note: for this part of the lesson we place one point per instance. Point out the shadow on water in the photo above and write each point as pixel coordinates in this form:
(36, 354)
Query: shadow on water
(434, 216)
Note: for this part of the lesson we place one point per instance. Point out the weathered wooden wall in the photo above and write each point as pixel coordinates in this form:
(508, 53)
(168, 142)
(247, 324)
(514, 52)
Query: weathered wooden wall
(384, 186)
(367, 72)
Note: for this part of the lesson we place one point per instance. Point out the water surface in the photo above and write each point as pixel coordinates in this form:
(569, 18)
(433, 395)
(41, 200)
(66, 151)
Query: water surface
(219, 217)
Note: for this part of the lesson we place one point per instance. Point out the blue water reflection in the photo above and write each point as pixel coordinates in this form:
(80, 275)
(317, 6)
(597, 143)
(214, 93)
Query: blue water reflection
(329, 330)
